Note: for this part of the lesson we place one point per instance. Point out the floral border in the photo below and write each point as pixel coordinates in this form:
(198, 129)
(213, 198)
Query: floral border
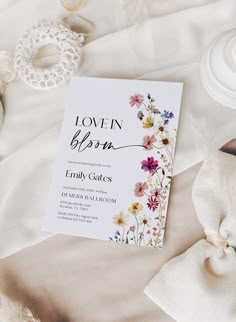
(147, 228)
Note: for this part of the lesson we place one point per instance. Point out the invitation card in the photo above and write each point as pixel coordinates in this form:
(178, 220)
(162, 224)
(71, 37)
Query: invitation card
(114, 162)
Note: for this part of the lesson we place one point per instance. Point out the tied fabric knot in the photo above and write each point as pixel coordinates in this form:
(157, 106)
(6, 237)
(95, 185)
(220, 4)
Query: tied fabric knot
(217, 240)
(200, 285)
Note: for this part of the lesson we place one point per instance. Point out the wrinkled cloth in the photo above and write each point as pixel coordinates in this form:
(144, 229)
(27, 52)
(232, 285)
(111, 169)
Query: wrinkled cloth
(200, 285)
(168, 45)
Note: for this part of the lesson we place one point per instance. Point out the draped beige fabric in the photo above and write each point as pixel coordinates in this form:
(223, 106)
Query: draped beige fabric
(200, 285)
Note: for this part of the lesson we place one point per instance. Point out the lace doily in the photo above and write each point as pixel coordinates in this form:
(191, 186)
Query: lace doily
(68, 44)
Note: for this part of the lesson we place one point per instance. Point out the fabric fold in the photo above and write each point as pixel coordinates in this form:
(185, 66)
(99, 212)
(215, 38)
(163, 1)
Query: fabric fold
(200, 285)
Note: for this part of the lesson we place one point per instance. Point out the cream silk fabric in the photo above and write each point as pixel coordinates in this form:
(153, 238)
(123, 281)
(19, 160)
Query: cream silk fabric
(200, 285)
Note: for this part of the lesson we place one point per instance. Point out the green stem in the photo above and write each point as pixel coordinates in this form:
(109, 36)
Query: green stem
(122, 238)
(145, 106)
(157, 238)
(158, 148)
(159, 179)
(143, 235)
(146, 194)
(137, 226)
(135, 239)
(170, 157)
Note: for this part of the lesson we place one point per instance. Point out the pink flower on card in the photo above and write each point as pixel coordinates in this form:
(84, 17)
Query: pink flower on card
(141, 234)
(148, 232)
(156, 192)
(151, 108)
(149, 165)
(136, 100)
(139, 189)
(148, 142)
(132, 228)
(153, 203)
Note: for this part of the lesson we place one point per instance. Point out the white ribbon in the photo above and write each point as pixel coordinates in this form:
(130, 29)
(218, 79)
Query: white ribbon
(200, 285)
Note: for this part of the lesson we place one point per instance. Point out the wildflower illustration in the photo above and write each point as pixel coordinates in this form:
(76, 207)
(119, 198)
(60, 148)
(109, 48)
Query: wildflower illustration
(139, 225)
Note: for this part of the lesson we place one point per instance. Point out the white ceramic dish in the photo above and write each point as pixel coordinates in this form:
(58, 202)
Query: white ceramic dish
(218, 69)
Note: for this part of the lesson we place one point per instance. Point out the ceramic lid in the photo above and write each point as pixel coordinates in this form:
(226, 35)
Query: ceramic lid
(218, 69)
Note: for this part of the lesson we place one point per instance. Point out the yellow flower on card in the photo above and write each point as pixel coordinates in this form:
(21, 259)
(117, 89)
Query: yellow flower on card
(135, 208)
(120, 219)
(148, 122)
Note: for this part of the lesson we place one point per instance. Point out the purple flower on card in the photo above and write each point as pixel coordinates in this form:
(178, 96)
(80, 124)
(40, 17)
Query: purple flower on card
(167, 116)
(149, 165)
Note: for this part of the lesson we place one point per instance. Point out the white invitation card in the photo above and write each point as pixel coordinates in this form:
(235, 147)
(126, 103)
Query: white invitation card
(115, 159)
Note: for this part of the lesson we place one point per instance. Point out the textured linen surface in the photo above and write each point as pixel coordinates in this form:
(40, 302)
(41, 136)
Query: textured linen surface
(167, 45)
(207, 269)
